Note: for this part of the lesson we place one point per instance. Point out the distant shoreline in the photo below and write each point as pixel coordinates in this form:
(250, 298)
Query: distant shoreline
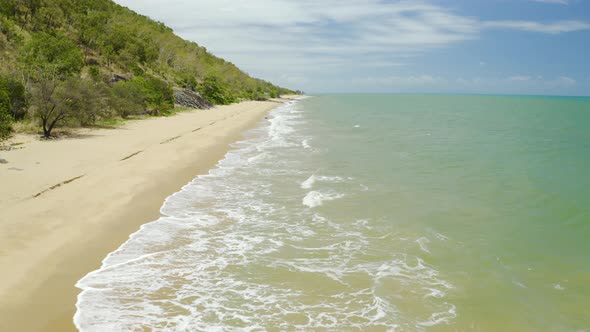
(66, 204)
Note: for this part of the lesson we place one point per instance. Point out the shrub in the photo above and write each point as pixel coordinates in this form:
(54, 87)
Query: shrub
(159, 96)
(212, 89)
(5, 118)
(86, 101)
(16, 94)
(94, 72)
(187, 81)
(127, 98)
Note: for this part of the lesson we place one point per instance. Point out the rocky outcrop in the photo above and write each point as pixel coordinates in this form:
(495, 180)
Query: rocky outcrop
(118, 78)
(191, 99)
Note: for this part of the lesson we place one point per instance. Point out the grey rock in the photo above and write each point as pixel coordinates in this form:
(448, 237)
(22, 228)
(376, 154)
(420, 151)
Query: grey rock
(191, 99)
(118, 78)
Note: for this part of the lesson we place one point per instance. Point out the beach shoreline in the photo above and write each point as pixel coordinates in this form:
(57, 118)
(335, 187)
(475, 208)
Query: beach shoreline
(66, 204)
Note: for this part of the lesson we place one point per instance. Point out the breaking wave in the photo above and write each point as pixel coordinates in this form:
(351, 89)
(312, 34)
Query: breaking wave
(237, 250)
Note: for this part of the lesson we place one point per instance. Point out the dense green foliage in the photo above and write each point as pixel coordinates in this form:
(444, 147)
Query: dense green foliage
(51, 55)
(127, 99)
(86, 101)
(16, 94)
(213, 90)
(5, 118)
(158, 94)
(68, 53)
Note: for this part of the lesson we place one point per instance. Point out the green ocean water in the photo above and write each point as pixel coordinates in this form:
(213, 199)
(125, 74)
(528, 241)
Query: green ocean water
(505, 179)
(371, 213)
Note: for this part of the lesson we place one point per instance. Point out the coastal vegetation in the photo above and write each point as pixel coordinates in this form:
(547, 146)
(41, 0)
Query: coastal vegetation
(86, 62)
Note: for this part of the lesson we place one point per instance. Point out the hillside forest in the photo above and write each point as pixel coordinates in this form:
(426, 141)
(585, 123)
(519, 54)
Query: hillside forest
(84, 63)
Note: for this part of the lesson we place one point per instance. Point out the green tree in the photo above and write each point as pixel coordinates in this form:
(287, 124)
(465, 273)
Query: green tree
(22, 10)
(85, 100)
(49, 54)
(159, 96)
(17, 95)
(213, 90)
(10, 31)
(8, 8)
(74, 101)
(92, 28)
(5, 118)
(48, 17)
(187, 81)
(127, 98)
(50, 104)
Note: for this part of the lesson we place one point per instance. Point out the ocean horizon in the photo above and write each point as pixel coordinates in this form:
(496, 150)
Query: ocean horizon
(401, 212)
(457, 94)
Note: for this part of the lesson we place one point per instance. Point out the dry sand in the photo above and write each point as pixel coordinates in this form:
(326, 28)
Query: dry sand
(65, 204)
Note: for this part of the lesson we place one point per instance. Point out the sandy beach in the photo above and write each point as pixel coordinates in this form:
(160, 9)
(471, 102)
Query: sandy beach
(65, 204)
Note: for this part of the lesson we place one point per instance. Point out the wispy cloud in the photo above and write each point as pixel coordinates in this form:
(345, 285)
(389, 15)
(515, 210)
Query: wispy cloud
(519, 78)
(564, 80)
(558, 2)
(308, 38)
(401, 81)
(551, 28)
(431, 83)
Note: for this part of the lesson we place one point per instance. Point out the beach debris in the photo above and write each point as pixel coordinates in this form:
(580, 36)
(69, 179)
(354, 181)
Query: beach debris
(3, 161)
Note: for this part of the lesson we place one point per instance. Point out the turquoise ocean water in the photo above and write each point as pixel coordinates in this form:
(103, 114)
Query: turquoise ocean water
(371, 213)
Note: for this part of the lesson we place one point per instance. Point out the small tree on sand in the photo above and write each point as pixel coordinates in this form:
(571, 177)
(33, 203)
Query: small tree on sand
(50, 105)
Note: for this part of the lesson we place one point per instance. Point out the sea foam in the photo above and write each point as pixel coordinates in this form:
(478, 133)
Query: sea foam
(236, 250)
(305, 144)
(307, 184)
(317, 198)
(310, 181)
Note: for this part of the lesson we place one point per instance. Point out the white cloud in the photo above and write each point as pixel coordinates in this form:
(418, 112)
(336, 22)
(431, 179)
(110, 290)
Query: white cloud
(400, 81)
(519, 78)
(290, 42)
(551, 28)
(558, 2)
(539, 80)
(564, 80)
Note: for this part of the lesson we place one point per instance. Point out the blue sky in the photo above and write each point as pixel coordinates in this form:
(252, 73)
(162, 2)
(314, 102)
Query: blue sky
(463, 46)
